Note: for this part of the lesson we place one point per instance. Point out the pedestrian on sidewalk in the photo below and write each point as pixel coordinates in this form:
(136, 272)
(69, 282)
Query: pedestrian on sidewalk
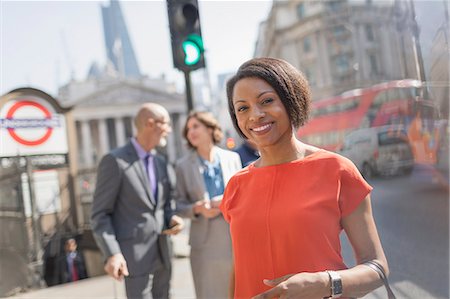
(287, 209)
(66, 266)
(201, 177)
(73, 267)
(132, 215)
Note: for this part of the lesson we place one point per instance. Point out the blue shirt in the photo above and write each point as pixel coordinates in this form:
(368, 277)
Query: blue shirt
(212, 175)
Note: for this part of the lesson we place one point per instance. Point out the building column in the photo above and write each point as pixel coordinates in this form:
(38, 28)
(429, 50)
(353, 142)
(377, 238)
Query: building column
(120, 131)
(133, 126)
(87, 141)
(103, 135)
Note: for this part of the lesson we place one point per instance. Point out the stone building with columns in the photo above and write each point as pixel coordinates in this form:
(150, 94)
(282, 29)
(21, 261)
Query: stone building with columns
(104, 114)
(340, 44)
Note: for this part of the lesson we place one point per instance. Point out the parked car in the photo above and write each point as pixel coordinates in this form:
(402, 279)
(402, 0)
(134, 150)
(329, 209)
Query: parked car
(379, 150)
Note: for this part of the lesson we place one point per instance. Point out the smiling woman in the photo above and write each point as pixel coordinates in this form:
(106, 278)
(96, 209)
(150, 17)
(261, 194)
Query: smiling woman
(260, 112)
(289, 207)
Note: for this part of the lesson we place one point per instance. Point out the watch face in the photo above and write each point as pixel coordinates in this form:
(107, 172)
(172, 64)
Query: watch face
(336, 284)
(337, 287)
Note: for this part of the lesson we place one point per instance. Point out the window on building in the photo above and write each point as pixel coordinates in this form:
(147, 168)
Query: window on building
(373, 64)
(334, 5)
(340, 45)
(310, 76)
(301, 10)
(111, 127)
(307, 45)
(369, 32)
(342, 63)
(339, 31)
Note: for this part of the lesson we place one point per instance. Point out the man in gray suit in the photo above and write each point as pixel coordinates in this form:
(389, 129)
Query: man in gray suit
(132, 214)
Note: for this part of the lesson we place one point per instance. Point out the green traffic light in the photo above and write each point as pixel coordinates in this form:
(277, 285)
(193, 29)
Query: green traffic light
(193, 49)
(192, 53)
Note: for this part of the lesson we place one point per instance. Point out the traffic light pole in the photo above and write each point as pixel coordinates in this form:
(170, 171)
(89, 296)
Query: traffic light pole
(186, 38)
(190, 103)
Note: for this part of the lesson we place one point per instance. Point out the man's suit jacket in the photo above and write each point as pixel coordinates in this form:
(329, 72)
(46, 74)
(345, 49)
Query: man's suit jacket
(56, 269)
(78, 263)
(191, 188)
(125, 216)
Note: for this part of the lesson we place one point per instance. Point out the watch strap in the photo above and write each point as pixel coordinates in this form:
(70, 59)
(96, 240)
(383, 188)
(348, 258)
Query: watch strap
(335, 284)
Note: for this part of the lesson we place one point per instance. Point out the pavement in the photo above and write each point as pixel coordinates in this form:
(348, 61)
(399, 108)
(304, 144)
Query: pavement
(105, 287)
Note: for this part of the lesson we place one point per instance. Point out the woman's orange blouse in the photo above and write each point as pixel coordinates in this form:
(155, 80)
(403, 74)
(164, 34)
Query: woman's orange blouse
(286, 218)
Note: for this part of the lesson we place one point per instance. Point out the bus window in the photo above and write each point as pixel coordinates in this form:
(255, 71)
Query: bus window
(343, 106)
(386, 138)
(380, 99)
(349, 105)
(393, 95)
(408, 93)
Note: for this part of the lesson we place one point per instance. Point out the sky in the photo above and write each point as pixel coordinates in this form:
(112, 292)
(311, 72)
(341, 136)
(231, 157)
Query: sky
(44, 43)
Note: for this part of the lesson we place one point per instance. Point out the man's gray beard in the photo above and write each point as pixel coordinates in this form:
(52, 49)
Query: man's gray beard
(162, 142)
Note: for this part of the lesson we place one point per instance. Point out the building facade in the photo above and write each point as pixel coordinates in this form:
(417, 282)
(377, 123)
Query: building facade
(439, 73)
(340, 45)
(103, 111)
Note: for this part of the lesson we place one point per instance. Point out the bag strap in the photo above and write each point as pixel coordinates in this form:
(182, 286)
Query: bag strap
(379, 269)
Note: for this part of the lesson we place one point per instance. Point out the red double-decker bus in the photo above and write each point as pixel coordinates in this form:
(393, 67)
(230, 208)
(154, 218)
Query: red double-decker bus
(389, 103)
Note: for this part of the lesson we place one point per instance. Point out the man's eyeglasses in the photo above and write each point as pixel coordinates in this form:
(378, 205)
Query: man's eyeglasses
(163, 122)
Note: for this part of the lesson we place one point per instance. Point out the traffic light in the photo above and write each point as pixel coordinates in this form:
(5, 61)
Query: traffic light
(186, 35)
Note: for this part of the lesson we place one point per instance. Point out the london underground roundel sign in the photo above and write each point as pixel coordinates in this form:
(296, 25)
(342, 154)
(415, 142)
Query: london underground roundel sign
(12, 124)
(30, 126)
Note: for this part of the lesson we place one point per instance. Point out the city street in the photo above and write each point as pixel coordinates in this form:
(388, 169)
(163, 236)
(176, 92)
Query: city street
(79, 130)
(412, 217)
(411, 214)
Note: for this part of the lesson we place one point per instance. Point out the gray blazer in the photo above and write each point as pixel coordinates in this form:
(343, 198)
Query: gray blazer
(125, 217)
(191, 188)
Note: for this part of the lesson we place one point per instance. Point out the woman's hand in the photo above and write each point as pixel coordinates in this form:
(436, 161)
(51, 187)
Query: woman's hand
(211, 212)
(198, 207)
(301, 285)
(216, 201)
(204, 208)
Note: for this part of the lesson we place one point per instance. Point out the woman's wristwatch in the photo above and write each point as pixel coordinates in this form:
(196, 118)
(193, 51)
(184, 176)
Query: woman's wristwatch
(336, 284)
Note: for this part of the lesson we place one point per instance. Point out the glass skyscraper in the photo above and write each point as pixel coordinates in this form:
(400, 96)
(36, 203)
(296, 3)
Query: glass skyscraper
(118, 45)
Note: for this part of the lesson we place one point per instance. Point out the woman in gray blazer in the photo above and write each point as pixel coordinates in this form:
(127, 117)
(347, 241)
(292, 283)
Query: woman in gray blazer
(201, 178)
